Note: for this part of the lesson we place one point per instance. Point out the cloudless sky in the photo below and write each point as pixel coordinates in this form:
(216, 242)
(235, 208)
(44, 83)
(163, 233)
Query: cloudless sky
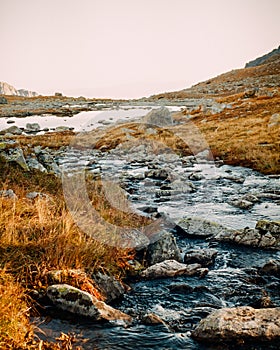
(130, 48)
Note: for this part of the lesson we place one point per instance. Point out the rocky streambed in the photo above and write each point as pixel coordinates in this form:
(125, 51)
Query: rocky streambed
(217, 248)
(208, 277)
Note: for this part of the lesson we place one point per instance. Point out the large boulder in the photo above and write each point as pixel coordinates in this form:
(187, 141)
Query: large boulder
(165, 248)
(171, 268)
(81, 303)
(159, 117)
(236, 325)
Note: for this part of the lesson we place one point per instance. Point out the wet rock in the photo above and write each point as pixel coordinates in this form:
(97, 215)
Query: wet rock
(160, 117)
(148, 209)
(265, 226)
(235, 178)
(158, 174)
(152, 319)
(111, 288)
(165, 248)
(82, 303)
(265, 235)
(196, 177)
(8, 194)
(170, 268)
(235, 325)
(32, 127)
(198, 227)
(272, 267)
(13, 130)
(242, 204)
(204, 257)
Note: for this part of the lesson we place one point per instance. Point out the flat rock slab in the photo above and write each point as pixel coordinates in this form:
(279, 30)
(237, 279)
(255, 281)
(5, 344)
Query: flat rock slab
(198, 227)
(239, 324)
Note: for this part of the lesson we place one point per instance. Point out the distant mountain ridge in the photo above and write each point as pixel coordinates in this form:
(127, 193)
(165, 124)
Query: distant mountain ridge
(7, 89)
(260, 60)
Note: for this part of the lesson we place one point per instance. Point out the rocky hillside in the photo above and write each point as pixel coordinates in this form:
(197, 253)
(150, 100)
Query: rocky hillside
(6, 89)
(259, 75)
(260, 60)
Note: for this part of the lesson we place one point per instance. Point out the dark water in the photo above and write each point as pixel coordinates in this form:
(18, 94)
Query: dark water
(182, 301)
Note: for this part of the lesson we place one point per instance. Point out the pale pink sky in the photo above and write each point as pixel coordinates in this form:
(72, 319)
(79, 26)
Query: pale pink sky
(130, 48)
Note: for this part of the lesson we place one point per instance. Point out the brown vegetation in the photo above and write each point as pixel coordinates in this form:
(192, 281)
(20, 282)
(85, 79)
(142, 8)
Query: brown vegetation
(40, 235)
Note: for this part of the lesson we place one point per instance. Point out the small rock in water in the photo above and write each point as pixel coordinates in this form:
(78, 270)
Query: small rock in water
(32, 127)
(242, 204)
(272, 267)
(204, 257)
(152, 319)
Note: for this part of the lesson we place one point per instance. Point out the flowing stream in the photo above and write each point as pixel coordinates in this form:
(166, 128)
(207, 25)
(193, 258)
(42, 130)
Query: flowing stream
(194, 187)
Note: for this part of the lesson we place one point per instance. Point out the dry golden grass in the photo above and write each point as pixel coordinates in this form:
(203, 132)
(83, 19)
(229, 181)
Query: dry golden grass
(15, 329)
(40, 235)
(242, 135)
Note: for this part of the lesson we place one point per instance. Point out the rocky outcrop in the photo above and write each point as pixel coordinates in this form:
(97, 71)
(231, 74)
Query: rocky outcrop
(266, 234)
(261, 60)
(6, 89)
(81, 303)
(159, 117)
(236, 325)
(171, 268)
